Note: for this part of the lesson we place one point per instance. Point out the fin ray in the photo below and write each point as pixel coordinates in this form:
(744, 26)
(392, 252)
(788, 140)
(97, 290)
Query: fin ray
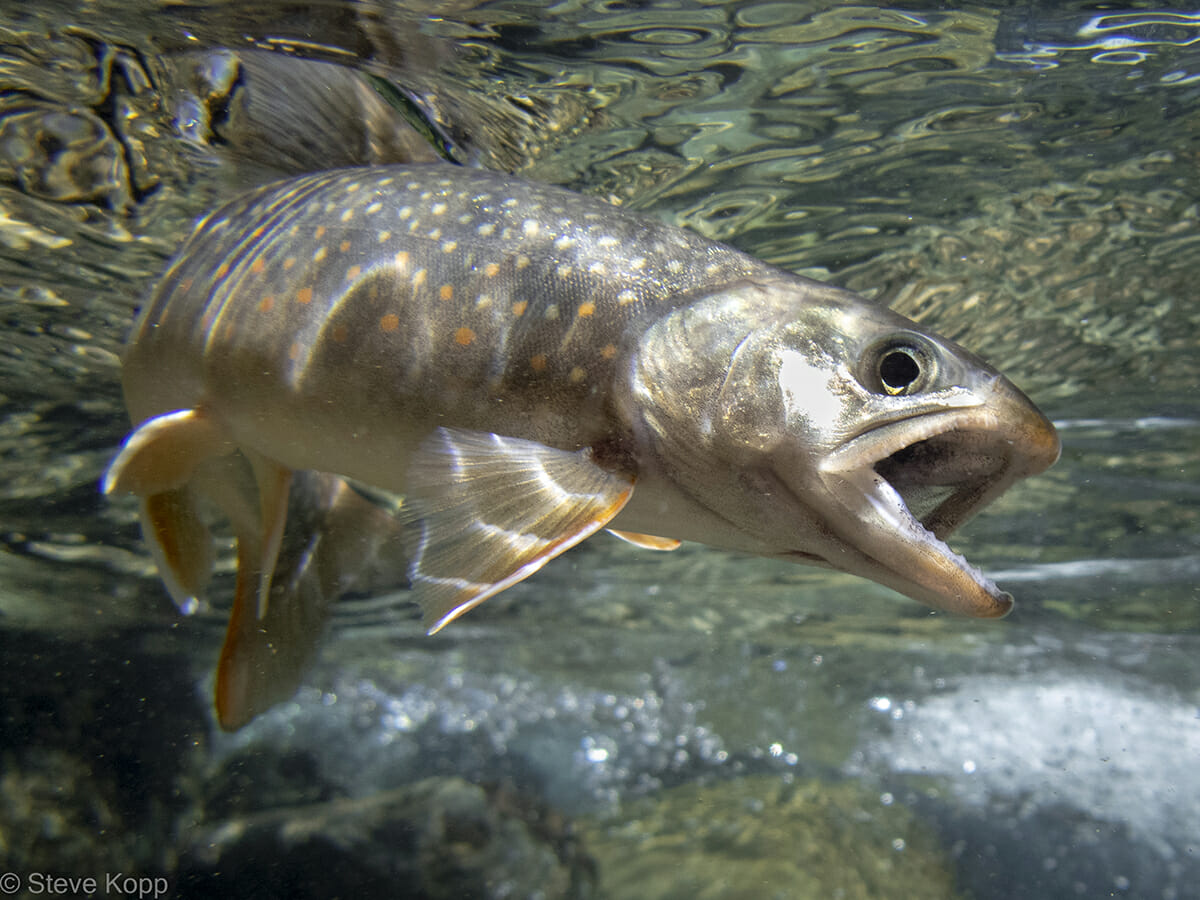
(485, 512)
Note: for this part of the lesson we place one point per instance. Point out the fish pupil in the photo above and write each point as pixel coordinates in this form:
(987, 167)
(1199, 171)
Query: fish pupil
(898, 370)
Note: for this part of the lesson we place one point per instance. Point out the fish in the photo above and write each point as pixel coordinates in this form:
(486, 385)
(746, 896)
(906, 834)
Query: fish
(520, 367)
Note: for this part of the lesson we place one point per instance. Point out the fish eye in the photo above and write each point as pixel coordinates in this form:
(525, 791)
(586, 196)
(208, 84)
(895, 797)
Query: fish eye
(897, 367)
(897, 371)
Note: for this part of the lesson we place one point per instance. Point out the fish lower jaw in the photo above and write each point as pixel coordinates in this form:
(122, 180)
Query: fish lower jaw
(900, 552)
(885, 493)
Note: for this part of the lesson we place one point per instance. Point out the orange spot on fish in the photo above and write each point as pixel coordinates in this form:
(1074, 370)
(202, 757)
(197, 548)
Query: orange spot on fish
(402, 258)
(608, 351)
(491, 270)
(304, 295)
(222, 270)
(294, 352)
(258, 265)
(518, 308)
(446, 291)
(258, 232)
(185, 285)
(577, 375)
(538, 362)
(340, 334)
(464, 336)
(353, 272)
(586, 309)
(266, 304)
(390, 322)
(289, 262)
(344, 246)
(319, 233)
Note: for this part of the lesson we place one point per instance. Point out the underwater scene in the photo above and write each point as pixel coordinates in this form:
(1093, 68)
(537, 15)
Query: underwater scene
(1020, 179)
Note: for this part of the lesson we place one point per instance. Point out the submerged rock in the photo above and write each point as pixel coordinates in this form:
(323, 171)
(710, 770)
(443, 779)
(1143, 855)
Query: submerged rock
(766, 837)
(437, 838)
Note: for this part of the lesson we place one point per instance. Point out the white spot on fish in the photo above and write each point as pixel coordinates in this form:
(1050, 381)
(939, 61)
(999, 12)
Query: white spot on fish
(564, 271)
(465, 219)
(405, 212)
(486, 229)
(551, 312)
(384, 236)
(319, 254)
(565, 241)
(435, 234)
(626, 297)
(449, 246)
(606, 241)
(530, 227)
(352, 187)
(510, 202)
(347, 214)
(374, 208)
(674, 266)
(639, 263)
(596, 268)
(438, 208)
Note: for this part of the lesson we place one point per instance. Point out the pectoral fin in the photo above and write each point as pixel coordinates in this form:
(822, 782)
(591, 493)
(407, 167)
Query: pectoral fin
(647, 541)
(484, 512)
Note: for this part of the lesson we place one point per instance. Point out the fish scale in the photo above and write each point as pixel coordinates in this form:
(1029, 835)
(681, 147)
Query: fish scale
(441, 272)
(525, 366)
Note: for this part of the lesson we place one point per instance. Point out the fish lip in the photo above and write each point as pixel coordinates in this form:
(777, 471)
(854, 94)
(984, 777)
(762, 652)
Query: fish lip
(1006, 436)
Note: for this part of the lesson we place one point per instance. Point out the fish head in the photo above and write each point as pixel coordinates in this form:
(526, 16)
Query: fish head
(817, 426)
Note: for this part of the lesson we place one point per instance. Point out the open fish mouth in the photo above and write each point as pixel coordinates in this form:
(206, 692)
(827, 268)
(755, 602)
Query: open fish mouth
(906, 486)
(944, 480)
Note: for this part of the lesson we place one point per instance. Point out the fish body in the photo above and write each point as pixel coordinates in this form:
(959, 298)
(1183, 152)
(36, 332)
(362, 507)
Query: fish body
(526, 366)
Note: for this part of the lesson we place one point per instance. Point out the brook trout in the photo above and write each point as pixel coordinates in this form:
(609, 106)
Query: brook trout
(527, 366)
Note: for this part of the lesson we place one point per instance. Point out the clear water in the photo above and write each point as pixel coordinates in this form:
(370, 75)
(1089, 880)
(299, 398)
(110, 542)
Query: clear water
(1022, 177)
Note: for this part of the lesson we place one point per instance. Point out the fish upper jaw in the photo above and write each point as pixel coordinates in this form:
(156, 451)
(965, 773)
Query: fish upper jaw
(899, 489)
